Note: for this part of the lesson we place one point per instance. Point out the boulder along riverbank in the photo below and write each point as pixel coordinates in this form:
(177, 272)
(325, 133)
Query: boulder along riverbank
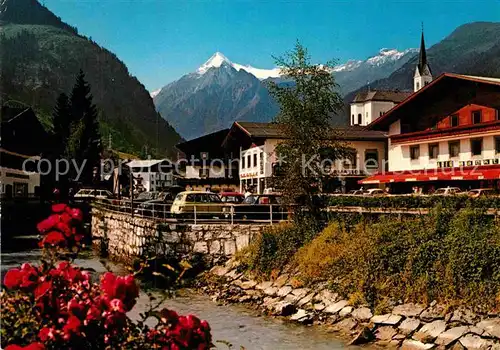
(404, 325)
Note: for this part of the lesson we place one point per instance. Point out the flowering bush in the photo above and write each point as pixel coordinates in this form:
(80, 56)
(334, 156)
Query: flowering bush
(56, 305)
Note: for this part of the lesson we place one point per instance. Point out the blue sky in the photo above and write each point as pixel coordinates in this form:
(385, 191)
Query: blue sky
(160, 40)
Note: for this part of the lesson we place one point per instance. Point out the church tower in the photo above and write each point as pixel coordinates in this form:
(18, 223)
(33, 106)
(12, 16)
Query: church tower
(423, 74)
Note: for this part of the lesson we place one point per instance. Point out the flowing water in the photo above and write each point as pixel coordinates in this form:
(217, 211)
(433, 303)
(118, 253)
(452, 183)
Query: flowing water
(234, 324)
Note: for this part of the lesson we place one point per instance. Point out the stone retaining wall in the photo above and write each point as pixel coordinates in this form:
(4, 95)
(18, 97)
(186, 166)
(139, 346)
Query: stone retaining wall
(126, 238)
(408, 326)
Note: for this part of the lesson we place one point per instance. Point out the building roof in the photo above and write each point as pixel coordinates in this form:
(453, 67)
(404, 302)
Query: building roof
(144, 163)
(429, 101)
(210, 143)
(381, 95)
(274, 131)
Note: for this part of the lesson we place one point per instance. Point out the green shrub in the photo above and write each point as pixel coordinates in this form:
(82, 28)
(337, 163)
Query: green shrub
(448, 255)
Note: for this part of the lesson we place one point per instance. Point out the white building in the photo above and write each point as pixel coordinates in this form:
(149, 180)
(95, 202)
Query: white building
(370, 105)
(423, 74)
(16, 182)
(257, 161)
(152, 174)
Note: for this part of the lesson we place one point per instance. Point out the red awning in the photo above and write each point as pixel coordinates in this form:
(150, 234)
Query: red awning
(466, 173)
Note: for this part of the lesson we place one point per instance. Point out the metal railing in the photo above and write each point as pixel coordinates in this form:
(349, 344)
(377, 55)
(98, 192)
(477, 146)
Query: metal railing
(200, 212)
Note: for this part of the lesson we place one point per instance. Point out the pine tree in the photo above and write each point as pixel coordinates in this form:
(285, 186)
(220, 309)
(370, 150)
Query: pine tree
(85, 140)
(62, 124)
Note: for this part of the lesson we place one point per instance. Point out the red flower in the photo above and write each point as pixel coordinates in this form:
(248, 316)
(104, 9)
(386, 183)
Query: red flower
(64, 228)
(76, 308)
(59, 208)
(54, 238)
(13, 278)
(116, 305)
(42, 289)
(48, 223)
(72, 326)
(32, 346)
(29, 276)
(46, 333)
(123, 288)
(75, 213)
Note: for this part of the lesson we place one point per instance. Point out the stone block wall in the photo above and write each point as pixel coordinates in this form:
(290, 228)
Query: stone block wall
(126, 238)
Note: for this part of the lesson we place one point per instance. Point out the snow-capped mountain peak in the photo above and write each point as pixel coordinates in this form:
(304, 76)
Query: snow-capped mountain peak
(215, 61)
(218, 59)
(388, 55)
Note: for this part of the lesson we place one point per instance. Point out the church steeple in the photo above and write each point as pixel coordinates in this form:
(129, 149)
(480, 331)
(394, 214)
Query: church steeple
(423, 74)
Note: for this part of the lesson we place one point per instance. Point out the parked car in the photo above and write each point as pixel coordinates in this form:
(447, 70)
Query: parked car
(447, 191)
(90, 193)
(480, 192)
(374, 192)
(232, 197)
(258, 207)
(158, 207)
(356, 193)
(204, 204)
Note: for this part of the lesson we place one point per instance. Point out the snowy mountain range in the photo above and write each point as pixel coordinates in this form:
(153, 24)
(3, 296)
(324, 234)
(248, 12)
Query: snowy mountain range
(221, 91)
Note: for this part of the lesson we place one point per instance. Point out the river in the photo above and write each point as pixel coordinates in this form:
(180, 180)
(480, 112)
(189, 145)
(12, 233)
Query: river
(234, 324)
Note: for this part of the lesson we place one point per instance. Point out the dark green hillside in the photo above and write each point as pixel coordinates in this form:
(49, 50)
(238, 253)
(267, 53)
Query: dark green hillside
(39, 61)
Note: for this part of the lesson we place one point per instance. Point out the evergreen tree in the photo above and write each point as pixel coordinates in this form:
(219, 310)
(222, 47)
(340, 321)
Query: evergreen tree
(62, 124)
(85, 139)
(306, 108)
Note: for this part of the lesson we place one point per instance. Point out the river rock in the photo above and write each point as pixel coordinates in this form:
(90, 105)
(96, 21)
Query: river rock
(362, 314)
(245, 298)
(264, 285)
(385, 333)
(248, 285)
(301, 316)
(346, 311)
(476, 330)
(430, 331)
(219, 270)
(281, 281)
(451, 335)
(306, 299)
(474, 342)
(283, 308)
(300, 292)
(233, 275)
(387, 319)
(408, 310)
(492, 326)
(334, 308)
(319, 307)
(326, 297)
(435, 312)
(410, 344)
(409, 325)
(284, 291)
(464, 316)
(345, 326)
(363, 337)
(271, 291)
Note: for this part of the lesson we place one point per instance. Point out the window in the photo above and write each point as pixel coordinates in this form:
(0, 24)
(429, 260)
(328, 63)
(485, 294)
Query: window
(497, 144)
(243, 162)
(454, 120)
(359, 118)
(262, 162)
(352, 120)
(454, 148)
(255, 159)
(433, 150)
(476, 147)
(476, 117)
(249, 164)
(418, 85)
(371, 158)
(414, 152)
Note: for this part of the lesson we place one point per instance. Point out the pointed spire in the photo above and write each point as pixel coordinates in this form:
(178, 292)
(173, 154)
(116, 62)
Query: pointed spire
(422, 58)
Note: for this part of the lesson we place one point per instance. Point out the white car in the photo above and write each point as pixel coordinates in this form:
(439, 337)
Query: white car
(374, 192)
(448, 191)
(91, 193)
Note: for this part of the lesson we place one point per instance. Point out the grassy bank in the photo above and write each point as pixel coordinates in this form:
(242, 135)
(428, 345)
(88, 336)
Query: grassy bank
(452, 256)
